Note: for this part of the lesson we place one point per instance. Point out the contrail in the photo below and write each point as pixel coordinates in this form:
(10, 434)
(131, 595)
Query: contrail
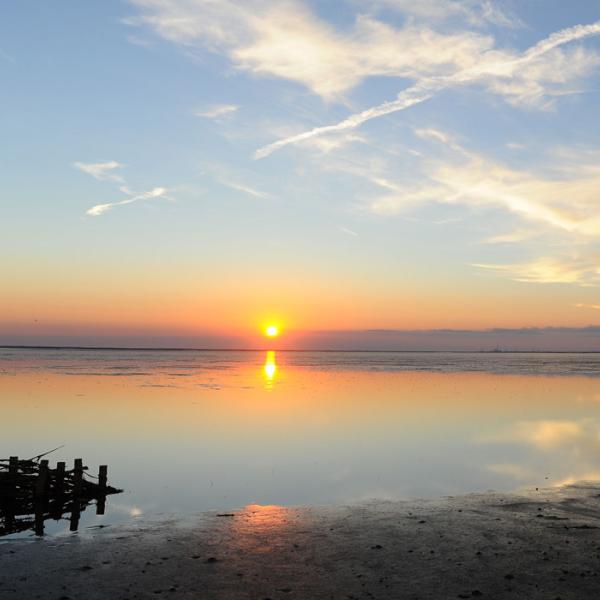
(423, 90)
(100, 209)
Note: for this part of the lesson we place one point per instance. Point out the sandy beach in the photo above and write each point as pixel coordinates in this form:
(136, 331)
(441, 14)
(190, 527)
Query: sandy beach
(538, 544)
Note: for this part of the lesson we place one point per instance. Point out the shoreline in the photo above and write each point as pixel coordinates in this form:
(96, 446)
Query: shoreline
(537, 544)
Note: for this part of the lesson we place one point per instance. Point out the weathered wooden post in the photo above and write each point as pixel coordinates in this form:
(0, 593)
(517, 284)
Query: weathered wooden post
(102, 476)
(77, 477)
(13, 466)
(59, 482)
(59, 490)
(11, 493)
(77, 485)
(41, 483)
(102, 481)
(41, 486)
(75, 514)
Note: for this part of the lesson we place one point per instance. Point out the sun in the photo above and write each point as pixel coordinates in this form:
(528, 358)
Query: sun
(272, 331)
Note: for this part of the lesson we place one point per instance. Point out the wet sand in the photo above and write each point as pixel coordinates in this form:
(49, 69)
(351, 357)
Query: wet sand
(541, 544)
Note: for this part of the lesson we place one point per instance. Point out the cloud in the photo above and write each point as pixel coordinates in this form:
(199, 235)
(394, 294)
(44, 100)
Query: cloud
(559, 198)
(590, 306)
(218, 111)
(100, 209)
(102, 171)
(509, 238)
(549, 270)
(520, 78)
(286, 40)
(331, 143)
(347, 231)
(517, 339)
(563, 196)
(240, 187)
(475, 12)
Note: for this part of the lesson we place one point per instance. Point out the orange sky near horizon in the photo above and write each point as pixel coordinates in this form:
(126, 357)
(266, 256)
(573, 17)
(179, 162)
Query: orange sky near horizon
(179, 304)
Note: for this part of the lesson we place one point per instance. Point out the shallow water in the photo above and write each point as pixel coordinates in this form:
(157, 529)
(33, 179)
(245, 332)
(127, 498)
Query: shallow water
(188, 431)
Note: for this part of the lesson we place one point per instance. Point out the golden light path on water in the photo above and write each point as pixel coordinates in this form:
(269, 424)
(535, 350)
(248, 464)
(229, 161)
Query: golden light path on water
(184, 433)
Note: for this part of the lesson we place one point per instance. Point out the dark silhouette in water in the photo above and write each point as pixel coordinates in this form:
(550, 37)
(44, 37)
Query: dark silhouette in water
(31, 492)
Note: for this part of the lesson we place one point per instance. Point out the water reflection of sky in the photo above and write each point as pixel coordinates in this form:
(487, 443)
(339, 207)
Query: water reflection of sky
(245, 428)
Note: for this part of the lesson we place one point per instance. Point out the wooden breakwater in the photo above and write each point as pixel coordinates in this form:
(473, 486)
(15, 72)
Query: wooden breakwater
(31, 492)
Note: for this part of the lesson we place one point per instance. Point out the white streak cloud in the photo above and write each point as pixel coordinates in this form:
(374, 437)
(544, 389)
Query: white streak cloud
(241, 187)
(548, 270)
(100, 209)
(519, 78)
(103, 171)
(218, 111)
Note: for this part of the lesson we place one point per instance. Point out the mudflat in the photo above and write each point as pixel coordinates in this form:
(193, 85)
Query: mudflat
(539, 544)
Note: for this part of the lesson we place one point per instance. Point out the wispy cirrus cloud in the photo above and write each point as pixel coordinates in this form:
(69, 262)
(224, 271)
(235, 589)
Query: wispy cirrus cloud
(287, 40)
(512, 237)
(527, 78)
(581, 271)
(563, 196)
(218, 111)
(100, 209)
(547, 209)
(347, 231)
(241, 187)
(103, 171)
(475, 12)
(590, 306)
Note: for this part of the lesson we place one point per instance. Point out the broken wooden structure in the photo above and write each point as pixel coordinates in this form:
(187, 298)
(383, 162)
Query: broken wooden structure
(31, 492)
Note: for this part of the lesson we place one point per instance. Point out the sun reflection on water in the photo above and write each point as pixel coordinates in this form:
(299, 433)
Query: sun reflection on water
(270, 369)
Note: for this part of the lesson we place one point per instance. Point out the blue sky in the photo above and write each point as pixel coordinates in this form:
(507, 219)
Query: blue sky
(438, 162)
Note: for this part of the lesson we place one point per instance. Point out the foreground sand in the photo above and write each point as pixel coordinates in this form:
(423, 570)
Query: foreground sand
(543, 544)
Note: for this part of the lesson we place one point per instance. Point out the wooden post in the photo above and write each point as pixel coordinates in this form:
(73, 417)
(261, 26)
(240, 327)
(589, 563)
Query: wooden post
(102, 481)
(102, 476)
(41, 483)
(13, 471)
(59, 490)
(59, 482)
(39, 518)
(77, 477)
(75, 514)
(41, 486)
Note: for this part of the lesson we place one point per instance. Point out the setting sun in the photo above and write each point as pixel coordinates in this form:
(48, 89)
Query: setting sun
(272, 331)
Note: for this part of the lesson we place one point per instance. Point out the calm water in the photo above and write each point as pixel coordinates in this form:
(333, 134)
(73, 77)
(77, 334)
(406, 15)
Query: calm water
(190, 431)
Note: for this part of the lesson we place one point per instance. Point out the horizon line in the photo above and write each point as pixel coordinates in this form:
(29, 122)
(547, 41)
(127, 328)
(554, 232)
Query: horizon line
(267, 349)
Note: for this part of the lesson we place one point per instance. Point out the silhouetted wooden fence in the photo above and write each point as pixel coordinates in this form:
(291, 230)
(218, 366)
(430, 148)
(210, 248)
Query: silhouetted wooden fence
(31, 492)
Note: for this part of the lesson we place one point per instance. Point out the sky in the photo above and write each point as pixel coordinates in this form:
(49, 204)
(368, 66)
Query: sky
(374, 174)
